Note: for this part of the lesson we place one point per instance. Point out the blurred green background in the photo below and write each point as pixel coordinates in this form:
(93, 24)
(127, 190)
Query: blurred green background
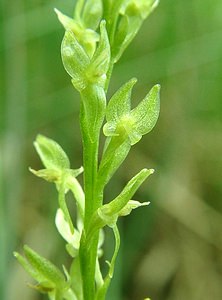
(171, 250)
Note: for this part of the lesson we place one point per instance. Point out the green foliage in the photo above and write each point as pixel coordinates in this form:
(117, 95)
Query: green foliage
(94, 40)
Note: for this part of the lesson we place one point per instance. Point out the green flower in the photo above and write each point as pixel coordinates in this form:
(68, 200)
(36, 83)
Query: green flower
(131, 124)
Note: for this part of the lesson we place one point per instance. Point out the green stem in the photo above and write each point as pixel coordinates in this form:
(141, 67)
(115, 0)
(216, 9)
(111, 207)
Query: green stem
(88, 255)
(90, 162)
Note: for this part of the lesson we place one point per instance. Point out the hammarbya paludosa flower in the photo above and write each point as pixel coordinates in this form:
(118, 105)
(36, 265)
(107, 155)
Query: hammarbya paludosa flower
(95, 38)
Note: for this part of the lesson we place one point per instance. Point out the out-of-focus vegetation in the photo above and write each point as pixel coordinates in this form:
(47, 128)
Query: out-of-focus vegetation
(171, 250)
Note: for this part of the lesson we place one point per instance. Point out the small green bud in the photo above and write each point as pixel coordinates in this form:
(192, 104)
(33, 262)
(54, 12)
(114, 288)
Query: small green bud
(132, 15)
(86, 37)
(139, 7)
(84, 70)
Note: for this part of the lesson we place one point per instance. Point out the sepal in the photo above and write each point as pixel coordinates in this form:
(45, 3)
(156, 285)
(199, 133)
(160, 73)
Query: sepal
(75, 60)
(118, 106)
(68, 23)
(99, 65)
(51, 153)
(147, 112)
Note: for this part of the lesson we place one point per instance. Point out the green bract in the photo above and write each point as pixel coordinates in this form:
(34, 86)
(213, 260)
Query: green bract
(94, 40)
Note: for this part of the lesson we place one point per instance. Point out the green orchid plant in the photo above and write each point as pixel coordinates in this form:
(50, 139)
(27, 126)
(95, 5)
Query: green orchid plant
(95, 39)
